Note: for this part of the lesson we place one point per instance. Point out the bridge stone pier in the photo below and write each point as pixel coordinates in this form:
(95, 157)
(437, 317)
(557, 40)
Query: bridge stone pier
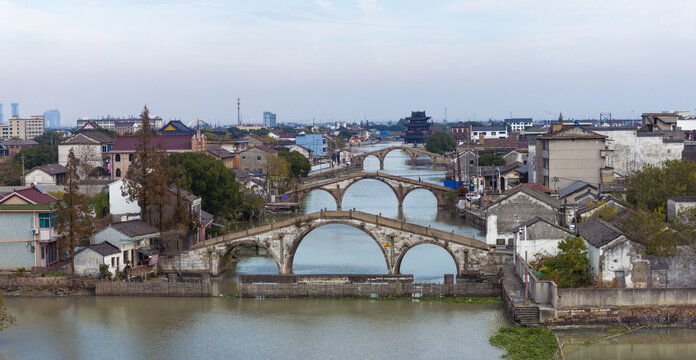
(281, 240)
(413, 152)
(399, 185)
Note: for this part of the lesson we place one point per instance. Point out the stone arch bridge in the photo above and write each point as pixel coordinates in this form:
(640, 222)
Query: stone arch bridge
(413, 152)
(401, 187)
(281, 240)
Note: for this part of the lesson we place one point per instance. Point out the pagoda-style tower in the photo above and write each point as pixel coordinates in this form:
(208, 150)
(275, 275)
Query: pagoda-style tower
(418, 128)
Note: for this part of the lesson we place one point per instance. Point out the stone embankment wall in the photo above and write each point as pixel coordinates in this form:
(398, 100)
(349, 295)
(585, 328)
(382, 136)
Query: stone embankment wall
(392, 289)
(153, 288)
(46, 286)
(473, 218)
(594, 315)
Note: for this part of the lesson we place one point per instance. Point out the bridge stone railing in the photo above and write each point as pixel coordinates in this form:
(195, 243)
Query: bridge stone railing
(349, 215)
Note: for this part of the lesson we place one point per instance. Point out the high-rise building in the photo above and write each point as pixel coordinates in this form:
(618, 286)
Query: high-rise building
(15, 109)
(418, 128)
(52, 118)
(269, 119)
(24, 129)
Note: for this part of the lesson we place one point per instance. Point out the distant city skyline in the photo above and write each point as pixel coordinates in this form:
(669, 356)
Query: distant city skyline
(347, 60)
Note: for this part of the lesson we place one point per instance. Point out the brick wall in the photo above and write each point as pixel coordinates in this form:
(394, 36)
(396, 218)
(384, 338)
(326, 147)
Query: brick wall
(152, 288)
(364, 290)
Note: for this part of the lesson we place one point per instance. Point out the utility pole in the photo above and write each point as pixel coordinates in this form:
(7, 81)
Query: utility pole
(239, 115)
(24, 180)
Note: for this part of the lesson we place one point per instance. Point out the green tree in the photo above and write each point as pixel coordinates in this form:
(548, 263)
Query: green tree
(345, 133)
(570, 267)
(148, 175)
(649, 188)
(6, 319)
(212, 181)
(299, 165)
(70, 223)
(99, 204)
(10, 173)
(36, 156)
(440, 143)
(649, 229)
(50, 138)
(490, 160)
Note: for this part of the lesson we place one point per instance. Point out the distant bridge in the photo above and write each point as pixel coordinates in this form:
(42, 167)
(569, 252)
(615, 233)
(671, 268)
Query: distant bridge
(401, 187)
(413, 152)
(281, 240)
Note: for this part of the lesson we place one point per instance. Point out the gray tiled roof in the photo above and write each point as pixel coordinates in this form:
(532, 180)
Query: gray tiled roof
(206, 217)
(51, 169)
(135, 228)
(104, 248)
(578, 185)
(598, 232)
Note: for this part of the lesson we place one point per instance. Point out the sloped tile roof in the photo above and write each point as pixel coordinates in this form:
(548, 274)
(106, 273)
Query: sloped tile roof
(598, 232)
(51, 169)
(134, 228)
(169, 142)
(574, 187)
(219, 151)
(572, 132)
(535, 186)
(33, 194)
(104, 248)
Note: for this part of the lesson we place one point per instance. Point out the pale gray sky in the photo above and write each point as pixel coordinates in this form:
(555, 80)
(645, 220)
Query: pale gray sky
(338, 60)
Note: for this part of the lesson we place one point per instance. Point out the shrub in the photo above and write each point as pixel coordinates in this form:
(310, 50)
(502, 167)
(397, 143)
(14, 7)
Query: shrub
(104, 272)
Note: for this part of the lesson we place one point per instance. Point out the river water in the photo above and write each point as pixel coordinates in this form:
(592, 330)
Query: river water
(225, 327)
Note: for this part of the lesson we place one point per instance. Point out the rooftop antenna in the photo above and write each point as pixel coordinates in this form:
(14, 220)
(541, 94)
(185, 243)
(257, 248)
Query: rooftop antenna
(239, 116)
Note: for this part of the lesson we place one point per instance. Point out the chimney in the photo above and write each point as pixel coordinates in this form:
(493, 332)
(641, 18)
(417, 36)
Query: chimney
(481, 138)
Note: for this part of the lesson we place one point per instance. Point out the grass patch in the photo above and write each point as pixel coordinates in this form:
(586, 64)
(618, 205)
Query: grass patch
(526, 343)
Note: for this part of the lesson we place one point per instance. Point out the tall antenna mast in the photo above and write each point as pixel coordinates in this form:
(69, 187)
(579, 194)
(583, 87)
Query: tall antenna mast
(239, 115)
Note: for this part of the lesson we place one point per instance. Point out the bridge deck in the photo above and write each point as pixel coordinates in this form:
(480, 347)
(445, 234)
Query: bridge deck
(369, 175)
(349, 215)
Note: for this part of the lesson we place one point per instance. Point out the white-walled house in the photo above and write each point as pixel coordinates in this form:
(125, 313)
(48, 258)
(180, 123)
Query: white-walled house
(612, 256)
(51, 174)
(119, 205)
(133, 239)
(88, 260)
(306, 152)
(91, 146)
(538, 237)
(521, 205)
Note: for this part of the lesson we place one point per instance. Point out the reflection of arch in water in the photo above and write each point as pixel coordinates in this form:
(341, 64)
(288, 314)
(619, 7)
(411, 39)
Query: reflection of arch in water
(397, 264)
(298, 240)
(230, 250)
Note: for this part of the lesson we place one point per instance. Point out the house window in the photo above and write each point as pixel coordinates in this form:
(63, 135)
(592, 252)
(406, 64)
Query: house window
(113, 261)
(118, 172)
(104, 148)
(243, 157)
(43, 252)
(47, 220)
(118, 157)
(258, 158)
(130, 157)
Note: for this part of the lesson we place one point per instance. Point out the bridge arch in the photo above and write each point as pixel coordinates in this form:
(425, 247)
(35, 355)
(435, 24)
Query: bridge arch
(383, 181)
(289, 259)
(402, 254)
(376, 156)
(234, 245)
(333, 196)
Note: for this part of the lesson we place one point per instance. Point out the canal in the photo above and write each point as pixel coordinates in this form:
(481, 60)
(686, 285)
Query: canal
(227, 327)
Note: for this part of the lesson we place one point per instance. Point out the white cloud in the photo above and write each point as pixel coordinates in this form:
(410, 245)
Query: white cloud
(369, 7)
(324, 4)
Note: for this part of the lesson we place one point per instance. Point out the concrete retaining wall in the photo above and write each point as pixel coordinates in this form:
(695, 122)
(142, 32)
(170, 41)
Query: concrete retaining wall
(366, 290)
(33, 281)
(152, 288)
(593, 315)
(568, 298)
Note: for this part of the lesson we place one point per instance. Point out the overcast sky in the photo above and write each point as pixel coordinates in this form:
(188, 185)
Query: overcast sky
(343, 60)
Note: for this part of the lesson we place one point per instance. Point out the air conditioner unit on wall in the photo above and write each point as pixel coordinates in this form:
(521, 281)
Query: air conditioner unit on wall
(34, 231)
